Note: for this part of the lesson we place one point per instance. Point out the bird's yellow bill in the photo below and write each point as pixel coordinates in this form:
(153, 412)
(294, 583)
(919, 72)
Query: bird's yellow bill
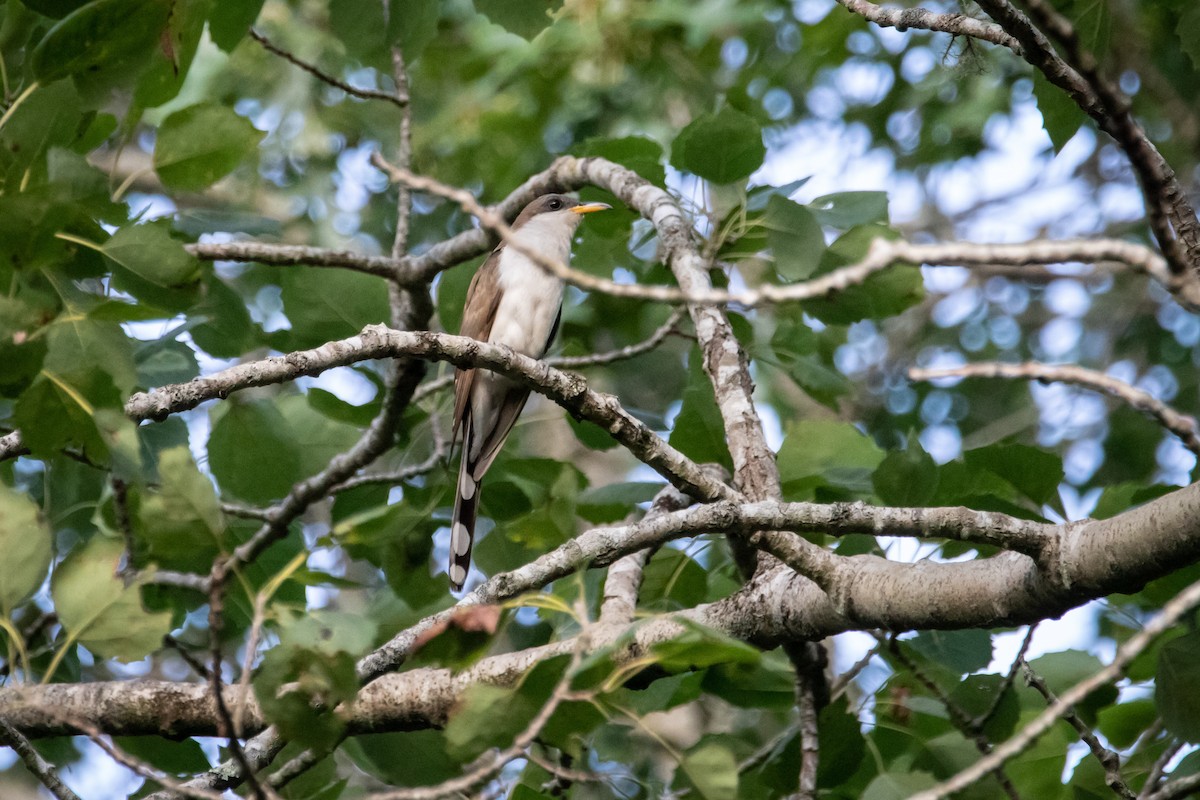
(588, 208)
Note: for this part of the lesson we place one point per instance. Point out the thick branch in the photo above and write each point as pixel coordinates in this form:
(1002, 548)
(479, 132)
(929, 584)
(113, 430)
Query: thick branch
(1085, 561)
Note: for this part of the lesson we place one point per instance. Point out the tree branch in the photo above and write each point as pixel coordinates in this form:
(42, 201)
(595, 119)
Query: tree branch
(376, 341)
(39, 767)
(399, 98)
(1171, 215)
(1182, 425)
(1171, 613)
(1107, 758)
(955, 24)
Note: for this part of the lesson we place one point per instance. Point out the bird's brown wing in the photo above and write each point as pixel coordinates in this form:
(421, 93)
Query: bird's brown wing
(483, 298)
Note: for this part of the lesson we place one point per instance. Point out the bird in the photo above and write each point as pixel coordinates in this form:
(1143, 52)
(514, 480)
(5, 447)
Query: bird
(512, 301)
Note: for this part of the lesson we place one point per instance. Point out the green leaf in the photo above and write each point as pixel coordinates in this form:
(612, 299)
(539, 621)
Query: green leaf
(181, 522)
(672, 580)
(56, 9)
(412, 24)
(615, 501)
(230, 21)
(172, 58)
(723, 147)
(712, 771)
(54, 413)
(1061, 118)
(526, 19)
(906, 477)
(100, 35)
(251, 451)
(223, 327)
(699, 431)
(643, 156)
(426, 759)
(79, 347)
(165, 361)
(174, 757)
(201, 144)
(314, 662)
(962, 651)
(1063, 670)
(898, 785)
(698, 647)
(884, 294)
(1188, 31)
(148, 251)
(491, 716)
(1177, 686)
(821, 453)
(795, 237)
(1124, 723)
(846, 210)
(99, 610)
(590, 435)
(976, 695)
(25, 540)
(1035, 473)
(324, 304)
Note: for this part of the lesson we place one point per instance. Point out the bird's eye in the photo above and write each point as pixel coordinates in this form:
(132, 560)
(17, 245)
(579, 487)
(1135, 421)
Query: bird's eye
(555, 204)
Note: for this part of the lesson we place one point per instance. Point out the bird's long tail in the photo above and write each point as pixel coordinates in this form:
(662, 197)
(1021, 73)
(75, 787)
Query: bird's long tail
(462, 524)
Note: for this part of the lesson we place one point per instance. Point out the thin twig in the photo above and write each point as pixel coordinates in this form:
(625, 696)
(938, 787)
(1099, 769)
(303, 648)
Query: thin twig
(1169, 211)
(491, 766)
(225, 724)
(623, 580)
(1182, 425)
(134, 764)
(39, 767)
(397, 99)
(843, 681)
(196, 664)
(983, 719)
(1154, 778)
(958, 717)
(1107, 758)
(1171, 613)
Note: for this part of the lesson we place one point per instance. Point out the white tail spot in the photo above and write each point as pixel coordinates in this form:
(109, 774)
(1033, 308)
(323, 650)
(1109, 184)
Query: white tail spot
(458, 574)
(460, 539)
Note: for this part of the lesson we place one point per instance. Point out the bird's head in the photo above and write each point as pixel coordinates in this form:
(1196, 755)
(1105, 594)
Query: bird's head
(555, 210)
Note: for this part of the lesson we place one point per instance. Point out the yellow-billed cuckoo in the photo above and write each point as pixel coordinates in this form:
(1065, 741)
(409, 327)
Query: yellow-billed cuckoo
(512, 301)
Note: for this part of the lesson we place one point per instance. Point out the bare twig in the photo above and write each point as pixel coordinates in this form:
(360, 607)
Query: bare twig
(882, 254)
(225, 724)
(1171, 613)
(812, 694)
(399, 99)
(982, 720)
(1171, 215)
(491, 766)
(843, 681)
(958, 717)
(1182, 425)
(1107, 758)
(1154, 778)
(39, 767)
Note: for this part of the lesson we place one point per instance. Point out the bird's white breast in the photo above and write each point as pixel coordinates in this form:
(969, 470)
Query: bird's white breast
(531, 296)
